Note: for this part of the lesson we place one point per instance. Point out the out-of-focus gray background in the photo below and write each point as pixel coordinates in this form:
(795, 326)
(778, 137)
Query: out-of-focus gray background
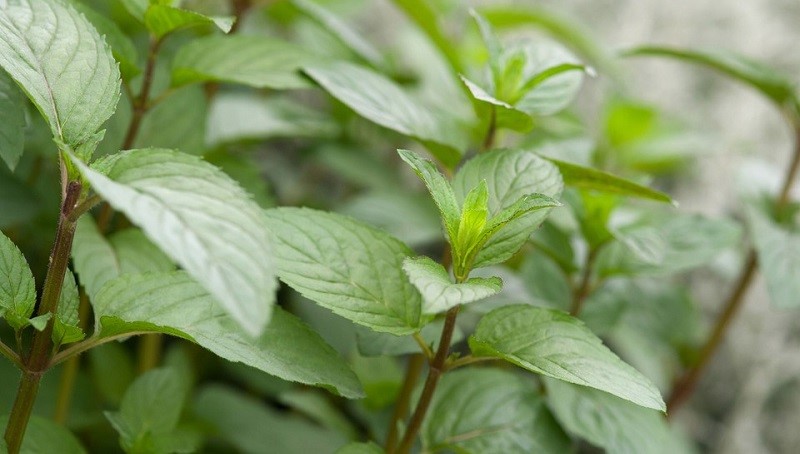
(749, 402)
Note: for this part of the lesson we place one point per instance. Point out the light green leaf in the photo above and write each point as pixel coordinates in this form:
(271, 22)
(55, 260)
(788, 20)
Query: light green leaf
(67, 71)
(65, 326)
(244, 116)
(12, 121)
(185, 112)
(346, 266)
(256, 61)
(136, 254)
(506, 116)
(413, 218)
(150, 411)
(605, 421)
(94, 259)
(510, 175)
(361, 448)
(122, 47)
(45, 436)
(687, 241)
(360, 45)
(382, 101)
(175, 304)
(17, 288)
(440, 190)
(164, 19)
(551, 343)
(773, 85)
(778, 250)
(200, 218)
(438, 291)
(246, 170)
(254, 428)
(588, 178)
(427, 19)
(112, 370)
(490, 411)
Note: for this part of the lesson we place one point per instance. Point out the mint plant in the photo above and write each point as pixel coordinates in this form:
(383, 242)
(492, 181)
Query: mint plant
(410, 248)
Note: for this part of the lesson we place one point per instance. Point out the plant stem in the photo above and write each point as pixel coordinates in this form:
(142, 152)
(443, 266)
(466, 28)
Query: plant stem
(140, 103)
(9, 353)
(41, 349)
(88, 344)
(584, 288)
(437, 368)
(466, 360)
(491, 131)
(413, 370)
(150, 351)
(685, 386)
(423, 346)
(70, 371)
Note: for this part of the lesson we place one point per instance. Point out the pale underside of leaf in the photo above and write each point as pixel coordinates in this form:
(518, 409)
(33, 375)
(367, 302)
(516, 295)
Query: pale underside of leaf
(203, 220)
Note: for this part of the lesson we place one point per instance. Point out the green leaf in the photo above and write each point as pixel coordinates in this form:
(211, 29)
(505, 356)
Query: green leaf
(136, 254)
(318, 406)
(382, 101)
(413, 219)
(773, 85)
(200, 218)
(346, 266)
(17, 287)
(256, 61)
(175, 304)
(608, 422)
(185, 112)
(164, 19)
(67, 71)
(428, 20)
(588, 178)
(440, 190)
(149, 414)
(490, 411)
(12, 121)
(360, 45)
(564, 29)
(243, 116)
(112, 371)
(252, 427)
(438, 291)
(66, 327)
(361, 448)
(45, 436)
(687, 241)
(551, 343)
(510, 175)
(506, 116)
(122, 48)
(94, 259)
(778, 250)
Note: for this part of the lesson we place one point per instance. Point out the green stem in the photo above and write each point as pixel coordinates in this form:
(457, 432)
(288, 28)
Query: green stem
(9, 353)
(466, 360)
(42, 346)
(415, 363)
(90, 343)
(437, 368)
(150, 351)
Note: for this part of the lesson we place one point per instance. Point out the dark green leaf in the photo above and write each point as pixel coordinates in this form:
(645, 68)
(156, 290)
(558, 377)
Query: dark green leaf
(346, 266)
(17, 288)
(552, 343)
(175, 304)
(44, 436)
(490, 411)
(12, 121)
(382, 101)
(588, 178)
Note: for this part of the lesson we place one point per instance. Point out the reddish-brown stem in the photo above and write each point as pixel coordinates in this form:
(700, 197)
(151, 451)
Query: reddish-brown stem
(37, 362)
(685, 385)
(437, 368)
(584, 287)
(415, 363)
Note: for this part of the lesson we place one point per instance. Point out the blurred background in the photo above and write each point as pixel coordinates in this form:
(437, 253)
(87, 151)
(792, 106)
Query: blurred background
(749, 401)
